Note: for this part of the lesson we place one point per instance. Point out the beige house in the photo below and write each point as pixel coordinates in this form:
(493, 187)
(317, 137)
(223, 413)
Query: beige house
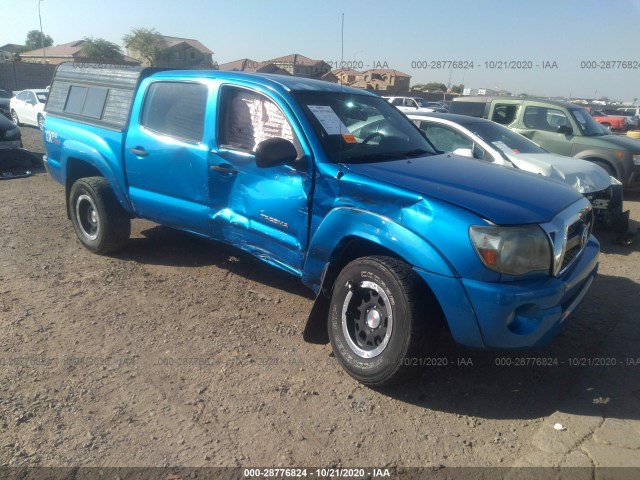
(301, 66)
(8, 52)
(294, 64)
(252, 66)
(181, 53)
(385, 80)
(67, 52)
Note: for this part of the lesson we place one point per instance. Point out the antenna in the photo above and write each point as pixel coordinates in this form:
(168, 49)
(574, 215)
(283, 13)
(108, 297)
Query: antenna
(342, 44)
(339, 174)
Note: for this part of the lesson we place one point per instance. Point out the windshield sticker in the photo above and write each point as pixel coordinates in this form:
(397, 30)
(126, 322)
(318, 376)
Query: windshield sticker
(502, 146)
(349, 138)
(328, 119)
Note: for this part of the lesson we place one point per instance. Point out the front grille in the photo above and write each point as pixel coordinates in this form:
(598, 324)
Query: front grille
(569, 233)
(577, 237)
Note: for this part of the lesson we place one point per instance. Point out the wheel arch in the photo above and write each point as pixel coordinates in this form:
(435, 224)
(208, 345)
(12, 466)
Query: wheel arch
(82, 161)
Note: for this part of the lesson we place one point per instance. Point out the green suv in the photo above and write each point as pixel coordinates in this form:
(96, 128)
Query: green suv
(562, 128)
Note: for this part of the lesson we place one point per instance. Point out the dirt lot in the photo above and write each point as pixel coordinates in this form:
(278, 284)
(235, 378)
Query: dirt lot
(182, 352)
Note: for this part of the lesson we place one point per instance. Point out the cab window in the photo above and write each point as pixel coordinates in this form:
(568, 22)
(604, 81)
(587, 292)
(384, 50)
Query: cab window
(504, 114)
(247, 118)
(176, 109)
(543, 118)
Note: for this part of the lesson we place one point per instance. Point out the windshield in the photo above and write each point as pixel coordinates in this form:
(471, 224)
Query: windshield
(499, 137)
(422, 102)
(42, 96)
(587, 124)
(362, 128)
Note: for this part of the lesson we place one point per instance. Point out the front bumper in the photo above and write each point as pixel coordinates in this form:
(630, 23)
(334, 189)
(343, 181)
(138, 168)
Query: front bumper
(511, 315)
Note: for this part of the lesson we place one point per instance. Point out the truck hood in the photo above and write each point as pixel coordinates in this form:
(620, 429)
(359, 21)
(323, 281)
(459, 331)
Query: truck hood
(585, 177)
(502, 195)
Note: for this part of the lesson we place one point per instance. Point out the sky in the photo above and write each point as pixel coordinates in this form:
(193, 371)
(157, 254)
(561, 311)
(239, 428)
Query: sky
(574, 37)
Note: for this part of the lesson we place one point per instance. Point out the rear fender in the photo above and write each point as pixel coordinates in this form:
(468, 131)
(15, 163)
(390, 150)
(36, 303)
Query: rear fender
(79, 158)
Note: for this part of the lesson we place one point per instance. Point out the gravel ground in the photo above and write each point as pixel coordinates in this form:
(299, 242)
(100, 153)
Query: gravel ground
(182, 352)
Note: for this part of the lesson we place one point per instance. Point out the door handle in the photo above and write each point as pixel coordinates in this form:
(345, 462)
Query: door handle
(219, 169)
(139, 151)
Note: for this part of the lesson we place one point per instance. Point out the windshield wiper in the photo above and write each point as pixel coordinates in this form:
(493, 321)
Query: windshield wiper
(380, 157)
(418, 152)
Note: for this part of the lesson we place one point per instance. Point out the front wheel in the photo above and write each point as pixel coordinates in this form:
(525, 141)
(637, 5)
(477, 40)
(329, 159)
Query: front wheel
(380, 320)
(15, 119)
(101, 224)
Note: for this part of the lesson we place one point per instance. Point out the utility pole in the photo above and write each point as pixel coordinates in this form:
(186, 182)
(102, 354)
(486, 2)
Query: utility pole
(44, 52)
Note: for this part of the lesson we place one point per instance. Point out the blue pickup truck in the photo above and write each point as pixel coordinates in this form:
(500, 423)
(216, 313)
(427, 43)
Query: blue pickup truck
(335, 186)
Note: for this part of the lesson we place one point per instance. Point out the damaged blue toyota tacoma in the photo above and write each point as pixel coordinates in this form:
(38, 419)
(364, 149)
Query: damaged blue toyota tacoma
(333, 185)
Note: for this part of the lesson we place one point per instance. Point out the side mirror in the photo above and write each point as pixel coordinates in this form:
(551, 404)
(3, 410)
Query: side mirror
(565, 129)
(275, 151)
(463, 152)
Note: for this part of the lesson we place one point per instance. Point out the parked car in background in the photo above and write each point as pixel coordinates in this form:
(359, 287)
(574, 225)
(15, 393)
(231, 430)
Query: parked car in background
(562, 128)
(485, 140)
(10, 136)
(632, 114)
(439, 106)
(5, 97)
(15, 162)
(613, 122)
(410, 104)
(27, 107)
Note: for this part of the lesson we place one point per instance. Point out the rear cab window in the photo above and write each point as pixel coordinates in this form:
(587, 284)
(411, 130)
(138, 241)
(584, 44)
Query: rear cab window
(176, 109)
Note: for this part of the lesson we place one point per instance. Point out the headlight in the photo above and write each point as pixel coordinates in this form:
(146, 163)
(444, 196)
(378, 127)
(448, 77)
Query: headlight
(512, 250)
(636, 158)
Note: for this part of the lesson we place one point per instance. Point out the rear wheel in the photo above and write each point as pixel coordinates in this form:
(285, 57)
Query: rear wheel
(379, 321)
(101, 224)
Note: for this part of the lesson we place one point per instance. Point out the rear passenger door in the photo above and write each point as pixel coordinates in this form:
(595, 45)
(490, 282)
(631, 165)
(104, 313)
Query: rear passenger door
(166, 156)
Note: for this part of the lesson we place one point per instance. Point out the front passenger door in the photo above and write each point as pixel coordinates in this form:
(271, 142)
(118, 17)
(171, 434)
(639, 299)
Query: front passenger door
(262, 210)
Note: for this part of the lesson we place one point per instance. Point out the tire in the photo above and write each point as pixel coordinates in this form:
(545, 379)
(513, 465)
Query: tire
(379, 321)
(15, 119)
(101, 224)
(40, 122)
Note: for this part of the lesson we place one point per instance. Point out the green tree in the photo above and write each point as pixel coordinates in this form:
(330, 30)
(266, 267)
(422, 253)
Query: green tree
(437, 86)
(457, 89)
(99, 48)
(34, 40)
(148, 44)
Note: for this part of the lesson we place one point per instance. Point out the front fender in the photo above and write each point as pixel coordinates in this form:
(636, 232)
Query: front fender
(348, 222)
